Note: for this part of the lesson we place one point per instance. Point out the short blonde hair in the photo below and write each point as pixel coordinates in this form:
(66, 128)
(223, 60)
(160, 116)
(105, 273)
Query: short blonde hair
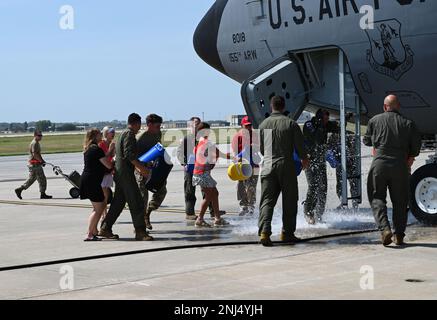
(106, 130)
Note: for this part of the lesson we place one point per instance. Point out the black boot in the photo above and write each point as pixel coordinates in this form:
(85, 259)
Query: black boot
(147, 219)
(18, 192)
(107, 234)
(141, 234)
(45, 196)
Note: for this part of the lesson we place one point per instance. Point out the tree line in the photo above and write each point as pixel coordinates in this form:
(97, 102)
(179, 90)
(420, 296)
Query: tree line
(49, 126)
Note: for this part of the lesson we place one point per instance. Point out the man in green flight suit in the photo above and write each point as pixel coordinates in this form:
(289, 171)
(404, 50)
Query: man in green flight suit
(280, 136)
(146, 141)
(352, 163)
(126, 188)
(315, 132)
(396, 142)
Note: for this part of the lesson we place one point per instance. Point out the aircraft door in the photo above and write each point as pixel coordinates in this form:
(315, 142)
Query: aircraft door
(284, 78)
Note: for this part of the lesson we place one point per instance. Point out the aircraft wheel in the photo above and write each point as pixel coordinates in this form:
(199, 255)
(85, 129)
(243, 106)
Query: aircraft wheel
(74, 193)
(424, 194)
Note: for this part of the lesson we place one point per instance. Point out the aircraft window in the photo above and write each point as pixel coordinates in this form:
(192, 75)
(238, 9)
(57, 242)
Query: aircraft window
(257, 9)
(269, 82)
(287, 95)
(284, 85)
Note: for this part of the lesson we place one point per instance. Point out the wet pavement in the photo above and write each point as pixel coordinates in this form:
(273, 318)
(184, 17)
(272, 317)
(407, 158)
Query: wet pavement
(36, 230)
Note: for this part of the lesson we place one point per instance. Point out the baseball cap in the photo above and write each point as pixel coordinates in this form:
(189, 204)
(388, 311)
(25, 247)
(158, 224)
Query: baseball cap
(245, 121)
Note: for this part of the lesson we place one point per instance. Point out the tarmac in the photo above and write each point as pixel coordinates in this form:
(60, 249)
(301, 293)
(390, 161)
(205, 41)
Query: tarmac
(185, 263)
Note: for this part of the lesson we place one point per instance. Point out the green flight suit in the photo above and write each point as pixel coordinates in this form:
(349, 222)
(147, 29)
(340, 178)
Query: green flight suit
(145, 142)
(126, 188)
(394, 139)
(316, 139)
(280, 136)
(334, 144)
(36, 171)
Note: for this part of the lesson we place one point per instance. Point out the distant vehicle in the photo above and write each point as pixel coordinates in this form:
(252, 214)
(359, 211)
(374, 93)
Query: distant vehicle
(296, 49)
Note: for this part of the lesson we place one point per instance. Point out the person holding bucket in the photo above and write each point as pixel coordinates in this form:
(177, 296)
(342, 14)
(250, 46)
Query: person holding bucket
(186, 157)
(126, 188)
(245, 145)
(207, 154)
(146, 141)
(280, 137)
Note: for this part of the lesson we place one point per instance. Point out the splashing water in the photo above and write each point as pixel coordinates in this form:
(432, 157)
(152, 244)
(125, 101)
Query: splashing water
(342, 220)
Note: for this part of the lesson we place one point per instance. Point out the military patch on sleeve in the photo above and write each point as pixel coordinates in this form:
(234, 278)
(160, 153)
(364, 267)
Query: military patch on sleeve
(309, 126)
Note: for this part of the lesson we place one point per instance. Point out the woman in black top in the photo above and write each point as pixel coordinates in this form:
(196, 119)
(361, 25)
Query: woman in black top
(96, 165)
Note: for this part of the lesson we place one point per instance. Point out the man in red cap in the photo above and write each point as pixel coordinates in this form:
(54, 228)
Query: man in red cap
(245, 144)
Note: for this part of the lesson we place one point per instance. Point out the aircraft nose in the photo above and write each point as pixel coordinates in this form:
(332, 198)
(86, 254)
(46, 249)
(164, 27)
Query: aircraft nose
(206, 35)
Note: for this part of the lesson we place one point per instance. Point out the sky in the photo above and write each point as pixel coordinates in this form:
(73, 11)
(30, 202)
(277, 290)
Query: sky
(121, 57)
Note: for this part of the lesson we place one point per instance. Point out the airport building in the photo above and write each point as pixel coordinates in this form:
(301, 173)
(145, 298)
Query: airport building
(235, 119)
(178, 124)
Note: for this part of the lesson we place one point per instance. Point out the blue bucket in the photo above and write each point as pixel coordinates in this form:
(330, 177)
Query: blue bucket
(297, 163)
(243, 155)
(255, 159)
(190, 164)
(154, 153)
(160, 171)
(331, 158)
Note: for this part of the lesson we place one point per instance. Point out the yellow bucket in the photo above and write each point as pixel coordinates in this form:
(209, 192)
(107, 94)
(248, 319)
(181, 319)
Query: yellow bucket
(240, 171)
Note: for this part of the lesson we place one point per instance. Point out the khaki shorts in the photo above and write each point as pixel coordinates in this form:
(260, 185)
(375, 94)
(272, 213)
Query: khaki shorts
(204, 181)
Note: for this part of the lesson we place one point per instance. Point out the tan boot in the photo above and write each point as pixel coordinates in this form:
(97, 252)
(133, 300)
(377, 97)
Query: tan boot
(265, 240)
(142, 235)
(289, 238)
(147, 219)
(386, 237)
(107, 234)
(399, 239)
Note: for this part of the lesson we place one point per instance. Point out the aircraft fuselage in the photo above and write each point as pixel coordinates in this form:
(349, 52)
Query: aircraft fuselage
(397, 56)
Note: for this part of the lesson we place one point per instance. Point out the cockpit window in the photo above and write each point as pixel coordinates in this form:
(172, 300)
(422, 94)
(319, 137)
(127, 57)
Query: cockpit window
(257, 10)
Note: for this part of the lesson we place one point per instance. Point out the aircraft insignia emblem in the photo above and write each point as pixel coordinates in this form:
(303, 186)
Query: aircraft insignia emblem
(388, 54)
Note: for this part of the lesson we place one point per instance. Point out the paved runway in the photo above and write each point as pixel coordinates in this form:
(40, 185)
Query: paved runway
(34, 230)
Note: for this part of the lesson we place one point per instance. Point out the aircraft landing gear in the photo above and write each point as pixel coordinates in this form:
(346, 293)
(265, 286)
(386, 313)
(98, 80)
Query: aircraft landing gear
(424, 194)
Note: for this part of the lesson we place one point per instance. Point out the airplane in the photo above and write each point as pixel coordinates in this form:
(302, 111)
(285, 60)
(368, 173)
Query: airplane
(340, 55)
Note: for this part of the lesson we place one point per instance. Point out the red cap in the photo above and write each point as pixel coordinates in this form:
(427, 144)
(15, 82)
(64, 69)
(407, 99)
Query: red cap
(245, 121)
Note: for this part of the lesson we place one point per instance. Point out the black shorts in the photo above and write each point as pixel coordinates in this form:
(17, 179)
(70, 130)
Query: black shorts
(91, 188)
